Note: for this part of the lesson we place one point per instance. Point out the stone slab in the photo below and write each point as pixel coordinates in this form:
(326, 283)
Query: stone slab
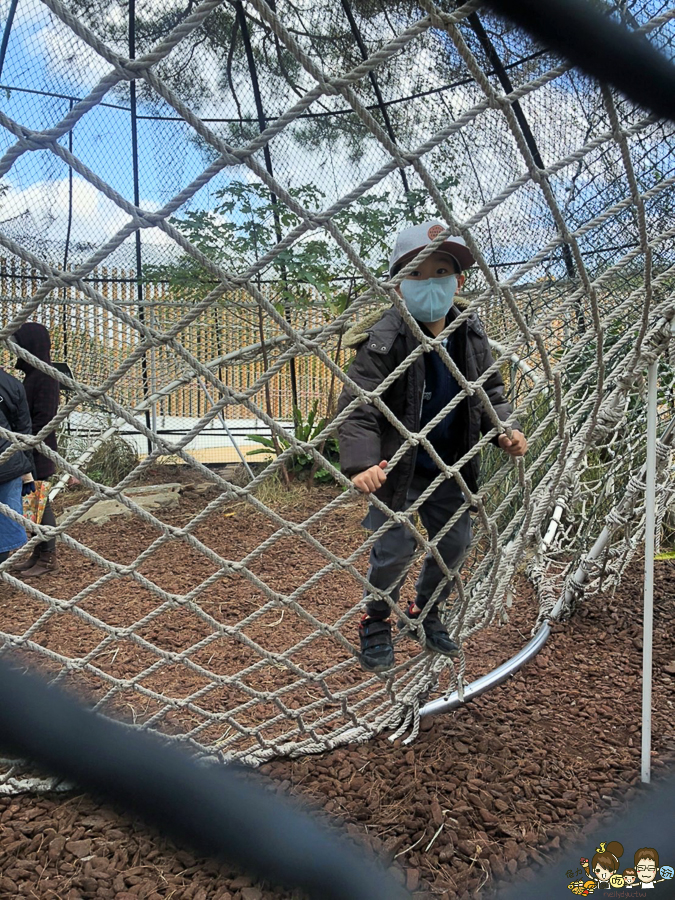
(150, 497)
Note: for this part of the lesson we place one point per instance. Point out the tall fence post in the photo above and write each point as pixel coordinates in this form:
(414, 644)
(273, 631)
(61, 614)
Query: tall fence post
(650, 536)
(150, 415)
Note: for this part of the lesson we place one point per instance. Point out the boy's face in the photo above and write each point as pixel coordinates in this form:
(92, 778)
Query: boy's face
(629, 879)
(438, 265)
(646, 870)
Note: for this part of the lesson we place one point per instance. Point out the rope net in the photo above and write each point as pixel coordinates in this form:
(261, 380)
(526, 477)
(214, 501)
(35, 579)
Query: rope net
(199, 205)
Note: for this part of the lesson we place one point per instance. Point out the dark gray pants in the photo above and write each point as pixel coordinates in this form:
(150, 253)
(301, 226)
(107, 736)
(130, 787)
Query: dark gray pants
(48, 518)
(392, 552)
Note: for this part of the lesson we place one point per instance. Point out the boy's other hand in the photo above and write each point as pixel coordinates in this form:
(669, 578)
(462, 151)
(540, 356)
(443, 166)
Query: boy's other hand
(517, 446)
(372, 479)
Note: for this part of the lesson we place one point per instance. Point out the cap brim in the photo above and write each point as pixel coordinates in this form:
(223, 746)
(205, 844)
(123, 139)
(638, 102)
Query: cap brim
(461, 254)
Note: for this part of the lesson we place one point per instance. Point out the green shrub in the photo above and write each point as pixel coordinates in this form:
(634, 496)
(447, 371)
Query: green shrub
(112, 461)
(301, 463)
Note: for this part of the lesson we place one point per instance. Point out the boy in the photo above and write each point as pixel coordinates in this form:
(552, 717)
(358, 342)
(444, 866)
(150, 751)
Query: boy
(629, 878)
(368, 440)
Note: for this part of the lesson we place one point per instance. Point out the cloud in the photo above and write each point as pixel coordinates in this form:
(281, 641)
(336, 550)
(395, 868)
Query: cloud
(43, 209)
(68, 58)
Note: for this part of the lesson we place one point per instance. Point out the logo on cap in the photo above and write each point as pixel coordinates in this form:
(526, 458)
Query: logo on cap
(434, 231)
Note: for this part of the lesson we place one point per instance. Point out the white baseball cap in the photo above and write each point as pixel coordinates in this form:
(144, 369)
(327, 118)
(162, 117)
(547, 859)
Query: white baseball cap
(411, 240)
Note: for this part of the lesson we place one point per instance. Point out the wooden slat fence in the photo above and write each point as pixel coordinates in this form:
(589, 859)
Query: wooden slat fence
(96, 342)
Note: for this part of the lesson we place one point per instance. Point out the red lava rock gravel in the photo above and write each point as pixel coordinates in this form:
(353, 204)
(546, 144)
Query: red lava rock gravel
(492, 790)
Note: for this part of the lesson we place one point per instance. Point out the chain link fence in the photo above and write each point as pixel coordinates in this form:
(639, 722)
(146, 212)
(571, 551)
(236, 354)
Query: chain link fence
(199, 200)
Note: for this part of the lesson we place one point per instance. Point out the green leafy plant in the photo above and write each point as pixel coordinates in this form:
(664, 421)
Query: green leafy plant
(306, 430)
(247, 221)
(112, 461)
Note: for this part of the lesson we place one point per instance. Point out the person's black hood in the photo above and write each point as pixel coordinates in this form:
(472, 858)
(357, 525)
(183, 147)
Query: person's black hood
(34, 338)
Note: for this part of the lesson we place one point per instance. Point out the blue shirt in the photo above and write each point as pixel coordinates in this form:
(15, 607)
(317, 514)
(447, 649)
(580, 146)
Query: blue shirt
(440, 386)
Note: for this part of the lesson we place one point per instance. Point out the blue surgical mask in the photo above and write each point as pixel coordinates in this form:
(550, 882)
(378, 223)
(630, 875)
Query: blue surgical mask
(429, 299)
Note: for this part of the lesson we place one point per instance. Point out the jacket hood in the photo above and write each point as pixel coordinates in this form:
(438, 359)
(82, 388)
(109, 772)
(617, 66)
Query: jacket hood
(34, 338)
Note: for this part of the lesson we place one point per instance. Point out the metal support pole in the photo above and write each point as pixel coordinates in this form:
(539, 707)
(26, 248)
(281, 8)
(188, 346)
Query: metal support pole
(223, 422)
(150, 414)
(6, 33)
(262, 125)
(375, 84)
(501, 73)
(581, 574)
(67, 292)
(650, 536)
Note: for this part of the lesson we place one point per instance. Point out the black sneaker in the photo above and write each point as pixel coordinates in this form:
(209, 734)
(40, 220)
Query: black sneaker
(437, 638)
(377, 650)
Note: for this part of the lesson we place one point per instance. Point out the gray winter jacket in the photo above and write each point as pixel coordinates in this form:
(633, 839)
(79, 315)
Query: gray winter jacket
(366, 437)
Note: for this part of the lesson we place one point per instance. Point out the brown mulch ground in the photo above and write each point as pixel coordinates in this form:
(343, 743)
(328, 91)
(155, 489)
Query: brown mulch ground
(236, 532)
(490, 790)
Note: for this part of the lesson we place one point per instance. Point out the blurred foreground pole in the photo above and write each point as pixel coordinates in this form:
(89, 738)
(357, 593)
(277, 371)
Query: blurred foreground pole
(647, 821)
(599, 45)
(214, 808)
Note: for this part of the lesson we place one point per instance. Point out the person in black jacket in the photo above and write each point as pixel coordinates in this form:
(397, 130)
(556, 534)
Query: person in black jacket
(420, 394)
(15, 472)
(42, 393)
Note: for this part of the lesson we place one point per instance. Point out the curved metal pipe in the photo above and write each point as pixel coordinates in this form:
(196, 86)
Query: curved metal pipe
(492, 679)
(529, 651)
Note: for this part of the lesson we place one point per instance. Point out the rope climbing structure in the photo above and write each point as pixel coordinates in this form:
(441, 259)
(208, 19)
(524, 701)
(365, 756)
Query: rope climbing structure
(200, 206)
